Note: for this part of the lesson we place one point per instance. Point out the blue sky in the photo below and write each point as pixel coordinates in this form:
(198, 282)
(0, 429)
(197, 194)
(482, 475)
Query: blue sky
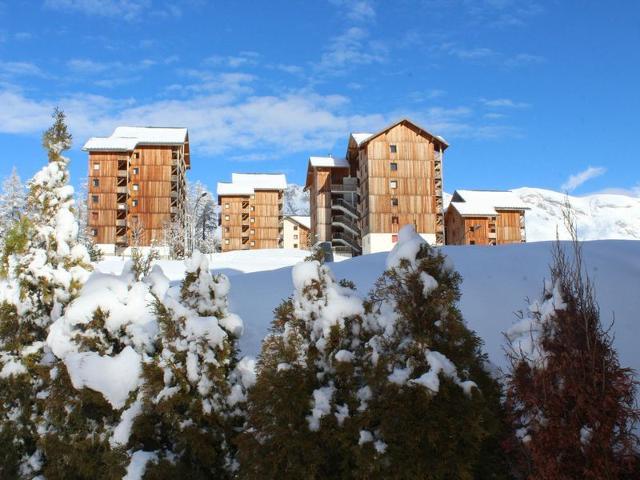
(528, 94)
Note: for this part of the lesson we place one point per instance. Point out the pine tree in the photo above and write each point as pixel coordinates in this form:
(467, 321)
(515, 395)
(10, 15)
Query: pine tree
(299, 411)
(571, 403)
(12, 203)
(43, 274)
(428, 408)
(194, 386)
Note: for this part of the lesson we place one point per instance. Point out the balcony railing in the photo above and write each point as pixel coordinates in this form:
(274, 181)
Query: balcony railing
(340, 187)
(346, 222)
(349, 208)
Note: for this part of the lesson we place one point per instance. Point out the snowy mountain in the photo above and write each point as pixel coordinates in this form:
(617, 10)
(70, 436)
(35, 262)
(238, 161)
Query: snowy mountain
(599, 217)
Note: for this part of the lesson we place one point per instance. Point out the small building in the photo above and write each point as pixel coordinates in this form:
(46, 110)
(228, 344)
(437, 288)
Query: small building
(137, 185)
(251, 211)
(387, 179)
(296, 232)
(485, 217)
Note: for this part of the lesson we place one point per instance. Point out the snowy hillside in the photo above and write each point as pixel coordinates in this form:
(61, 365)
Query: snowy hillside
(599, 217)
(496, 283)
(296, 200)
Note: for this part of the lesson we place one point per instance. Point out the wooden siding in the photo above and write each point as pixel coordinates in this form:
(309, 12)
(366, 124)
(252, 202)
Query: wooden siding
(506, 227)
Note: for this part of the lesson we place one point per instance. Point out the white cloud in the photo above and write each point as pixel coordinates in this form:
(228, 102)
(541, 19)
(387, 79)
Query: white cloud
(243, 59)
(14, 69)
(357, 10)
(574, 181)
(350, 49)
(503, 103)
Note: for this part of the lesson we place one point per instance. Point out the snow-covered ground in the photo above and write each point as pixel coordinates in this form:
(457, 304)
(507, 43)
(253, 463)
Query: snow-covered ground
(497, 282)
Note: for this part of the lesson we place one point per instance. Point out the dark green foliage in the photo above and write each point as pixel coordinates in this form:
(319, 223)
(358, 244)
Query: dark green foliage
(15, 243)
(57, 138)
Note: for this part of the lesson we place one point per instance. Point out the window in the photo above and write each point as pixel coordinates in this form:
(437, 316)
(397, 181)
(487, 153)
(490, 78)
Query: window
(136, 187)
(136, 155)
(295, 237)
(253, 220)
(94, 198)
(253, 209)
(295, 245)
(253, 243)
(96, 182)
(394, 202)
(394, 220)
(394, 238)
(226, 229)
(94, 232)
(393, 184)
(394, 166)
(226, 241)
(134, 202)
(226, 205)
(393, 148)
(295, 227)
(136, 171)
(94, 215)
(134, 219)
(472, 228)
(96, 166)
(472, 242)
(252, 231)
(226, 217)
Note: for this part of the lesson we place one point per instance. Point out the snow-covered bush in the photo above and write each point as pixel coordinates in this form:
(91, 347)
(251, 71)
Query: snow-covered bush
(570, 402)
(44, 268)
(299, 412)
(427, 406)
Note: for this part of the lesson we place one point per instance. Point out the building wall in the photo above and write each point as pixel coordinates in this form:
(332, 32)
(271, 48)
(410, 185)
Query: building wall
(415, 184)
(320, 205)
(384, 242)
(506, 227)
(138, 193)
(510, 226)
(251, 222)
(295, 235)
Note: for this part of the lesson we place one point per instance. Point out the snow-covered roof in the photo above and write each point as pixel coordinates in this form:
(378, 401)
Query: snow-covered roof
(485, 202)
(303, 220)
(361, 137)
(328, 162)
(127, 138)
(228, 188)
(261, 181)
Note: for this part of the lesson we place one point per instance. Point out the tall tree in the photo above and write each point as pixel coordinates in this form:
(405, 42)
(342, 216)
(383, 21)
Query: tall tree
(12, 200)
(44, 273)
(571, 403)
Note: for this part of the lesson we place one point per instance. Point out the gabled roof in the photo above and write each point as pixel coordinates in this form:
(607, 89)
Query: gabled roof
(228, 188)
(260, 181)
(483, 203)
(329, 162)
(362, 139)
(303, 220)
(110, 144)
(127, 138)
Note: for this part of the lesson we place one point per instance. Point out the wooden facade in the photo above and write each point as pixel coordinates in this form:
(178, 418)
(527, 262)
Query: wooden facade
(134, 191)
(250, 218)
(488, 221)
(389, 179)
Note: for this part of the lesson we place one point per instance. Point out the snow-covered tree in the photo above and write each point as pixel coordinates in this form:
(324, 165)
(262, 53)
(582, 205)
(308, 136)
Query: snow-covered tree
(12, 202)
(191, 402)
(296, 200)
(82, 217)
(571, 403)
(428, 408)
(43, 274)
(299, 412)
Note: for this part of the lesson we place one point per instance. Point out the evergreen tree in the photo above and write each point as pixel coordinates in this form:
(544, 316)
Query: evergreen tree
(12, 203)
(299, 411)
(43, 274)
(428, 408)
(194, 387)
(571, 403)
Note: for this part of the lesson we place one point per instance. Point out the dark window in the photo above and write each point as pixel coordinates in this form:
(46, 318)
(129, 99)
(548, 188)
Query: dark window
(94, 215)
(136, 155)
(134, 203)
(394, 166)
(136, 171)
(394, 202)
(295, 245)
(295, 227)
(394, 220)
(96, 182)
(94, 198)
(393, 148)
(94, 232)
(472, 242)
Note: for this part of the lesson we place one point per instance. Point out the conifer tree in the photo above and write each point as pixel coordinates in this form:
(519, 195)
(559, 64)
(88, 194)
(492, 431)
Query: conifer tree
(571, 404)
(192, 398)
(12, 203)
(300, 410)
(428, 408)
(43, 274)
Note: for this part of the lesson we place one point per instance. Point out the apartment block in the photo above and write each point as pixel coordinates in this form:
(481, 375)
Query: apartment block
(386, 180)
(137, 184)
(296, 232)
(251, 211)
(485, 217)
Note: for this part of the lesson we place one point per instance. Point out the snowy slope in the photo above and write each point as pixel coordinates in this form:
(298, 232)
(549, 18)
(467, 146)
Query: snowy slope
(497, 282)
(599, 217)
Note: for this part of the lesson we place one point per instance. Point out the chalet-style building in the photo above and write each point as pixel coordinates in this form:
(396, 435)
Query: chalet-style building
(387, 179)
(251, 211)
(137, 185)
(485, 217)
(296, 232)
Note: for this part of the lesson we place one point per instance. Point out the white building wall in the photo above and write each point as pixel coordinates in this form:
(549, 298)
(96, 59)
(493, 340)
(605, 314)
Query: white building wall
(383, 242)
(289, 233)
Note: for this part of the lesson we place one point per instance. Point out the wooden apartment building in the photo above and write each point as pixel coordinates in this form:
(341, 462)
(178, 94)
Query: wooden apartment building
(387, 179)
(251, 211)
(295, 233)
(137, 184)
(485, 217)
